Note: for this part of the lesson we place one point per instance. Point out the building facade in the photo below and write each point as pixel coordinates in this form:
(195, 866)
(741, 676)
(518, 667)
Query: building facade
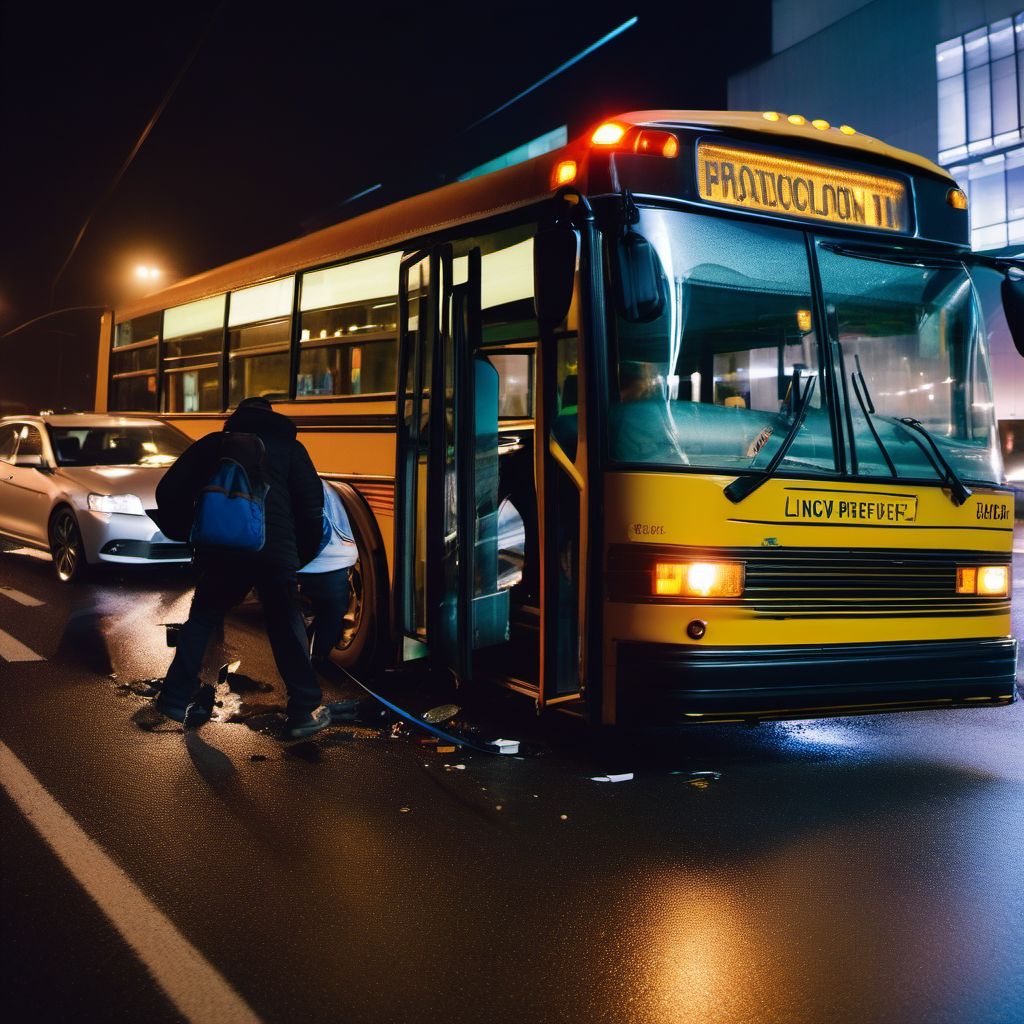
(937, 77)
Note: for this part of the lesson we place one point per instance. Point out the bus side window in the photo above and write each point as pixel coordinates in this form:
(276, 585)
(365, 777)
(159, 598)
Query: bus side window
(566, 428)
(349, 329)
(515, 384)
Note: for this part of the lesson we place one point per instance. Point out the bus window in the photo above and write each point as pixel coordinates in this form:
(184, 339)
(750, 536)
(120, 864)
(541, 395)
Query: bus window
(714, 380)
(349, 329)
(193, 345)
(912, 344)
(259, 341)
(566, 426)
(133, 364)
(515, 384)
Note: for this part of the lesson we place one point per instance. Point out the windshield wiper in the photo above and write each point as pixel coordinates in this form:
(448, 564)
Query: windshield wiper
(860, 389)
(743, 486)
(959, 492)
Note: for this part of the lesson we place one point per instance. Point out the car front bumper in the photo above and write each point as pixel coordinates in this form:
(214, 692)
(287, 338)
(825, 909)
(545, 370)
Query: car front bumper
(128, 540)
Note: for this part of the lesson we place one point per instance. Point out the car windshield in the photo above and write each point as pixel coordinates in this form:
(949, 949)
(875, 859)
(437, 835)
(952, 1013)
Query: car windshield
(911, 347)
(717, 379)
(118, 445)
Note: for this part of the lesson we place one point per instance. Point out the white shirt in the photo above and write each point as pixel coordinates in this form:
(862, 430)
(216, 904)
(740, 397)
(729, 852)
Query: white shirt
(341, 551)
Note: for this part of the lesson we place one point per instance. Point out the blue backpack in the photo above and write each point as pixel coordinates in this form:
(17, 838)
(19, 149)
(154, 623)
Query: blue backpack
(230, 509)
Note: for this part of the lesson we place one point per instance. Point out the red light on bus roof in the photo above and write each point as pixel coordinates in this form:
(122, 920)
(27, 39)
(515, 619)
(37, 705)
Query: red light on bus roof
(646, 141)
(608, 134)
(656, 143)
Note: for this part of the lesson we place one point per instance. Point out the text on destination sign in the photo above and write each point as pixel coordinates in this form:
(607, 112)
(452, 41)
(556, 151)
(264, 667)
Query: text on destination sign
(799, 188)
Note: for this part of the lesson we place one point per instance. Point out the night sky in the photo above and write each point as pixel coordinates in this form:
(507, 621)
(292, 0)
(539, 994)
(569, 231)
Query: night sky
(289, 109)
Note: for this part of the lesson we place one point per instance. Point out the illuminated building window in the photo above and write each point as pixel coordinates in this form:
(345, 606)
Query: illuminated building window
(980, 104)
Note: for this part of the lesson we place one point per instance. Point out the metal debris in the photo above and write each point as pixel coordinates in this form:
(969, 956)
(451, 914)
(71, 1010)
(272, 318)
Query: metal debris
(441, 713)
(623, 777)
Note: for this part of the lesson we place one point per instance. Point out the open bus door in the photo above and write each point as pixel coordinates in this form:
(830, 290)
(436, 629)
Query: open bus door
(562, 294)
(447, 601)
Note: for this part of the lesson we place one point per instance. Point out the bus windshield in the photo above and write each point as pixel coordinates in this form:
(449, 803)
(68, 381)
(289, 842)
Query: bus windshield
(717, 378)
(911, 347)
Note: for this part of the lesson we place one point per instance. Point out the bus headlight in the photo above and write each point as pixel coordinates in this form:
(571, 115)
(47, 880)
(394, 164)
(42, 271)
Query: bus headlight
(126, 504)
(698, 579)
(983, 580)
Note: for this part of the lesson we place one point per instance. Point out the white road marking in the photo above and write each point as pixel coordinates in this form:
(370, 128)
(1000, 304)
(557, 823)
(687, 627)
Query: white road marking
(26, 599)
(15, 650)
(195, 986)
(43, 556)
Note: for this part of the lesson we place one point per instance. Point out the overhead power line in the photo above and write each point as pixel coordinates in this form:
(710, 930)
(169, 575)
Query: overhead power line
(150, 125)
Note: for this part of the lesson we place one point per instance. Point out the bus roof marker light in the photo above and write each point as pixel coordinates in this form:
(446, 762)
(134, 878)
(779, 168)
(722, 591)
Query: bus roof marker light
(655, 143)
(771, 115)
(608, 134)
(565, 173)
(847, 130)
(957, 198)
(797, 119)
(821, 124)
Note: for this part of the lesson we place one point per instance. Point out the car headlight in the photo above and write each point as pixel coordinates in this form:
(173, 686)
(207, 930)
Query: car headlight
(126, 504)
(983, 580)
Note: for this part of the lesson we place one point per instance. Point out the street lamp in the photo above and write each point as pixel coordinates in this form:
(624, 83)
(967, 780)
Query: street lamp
(147, 273)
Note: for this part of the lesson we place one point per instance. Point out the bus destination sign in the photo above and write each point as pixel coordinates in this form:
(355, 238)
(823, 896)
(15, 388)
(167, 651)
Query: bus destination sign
(799, 188)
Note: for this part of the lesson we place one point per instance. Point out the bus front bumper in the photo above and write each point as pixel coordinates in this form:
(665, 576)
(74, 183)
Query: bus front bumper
(661, 683)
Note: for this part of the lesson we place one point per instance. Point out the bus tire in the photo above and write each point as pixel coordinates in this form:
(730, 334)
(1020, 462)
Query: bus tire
(361, 648)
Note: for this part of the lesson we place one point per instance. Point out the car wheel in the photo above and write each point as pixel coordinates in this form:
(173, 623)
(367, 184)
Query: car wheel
(67, 547)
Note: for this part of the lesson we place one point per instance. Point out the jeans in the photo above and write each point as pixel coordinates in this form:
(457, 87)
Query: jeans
(222, 586)
(328, 593)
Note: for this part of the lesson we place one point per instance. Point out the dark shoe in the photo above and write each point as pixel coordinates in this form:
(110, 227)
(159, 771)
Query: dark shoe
(175, 712)
(200, 711)
(301, 726)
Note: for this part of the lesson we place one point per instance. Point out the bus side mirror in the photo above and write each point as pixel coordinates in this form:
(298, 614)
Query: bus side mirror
(638, 279)
(554, 273)
(1013, 307)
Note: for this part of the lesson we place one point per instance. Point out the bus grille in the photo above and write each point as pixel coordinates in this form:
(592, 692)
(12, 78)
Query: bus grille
(818, 582)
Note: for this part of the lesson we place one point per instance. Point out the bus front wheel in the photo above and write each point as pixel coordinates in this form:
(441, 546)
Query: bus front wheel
(365, 624)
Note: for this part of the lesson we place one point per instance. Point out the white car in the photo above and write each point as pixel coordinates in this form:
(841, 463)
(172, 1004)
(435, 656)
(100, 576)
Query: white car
(78, 485)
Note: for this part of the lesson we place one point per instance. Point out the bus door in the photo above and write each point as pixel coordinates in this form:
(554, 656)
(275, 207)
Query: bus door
(447, 599)
(562, 455)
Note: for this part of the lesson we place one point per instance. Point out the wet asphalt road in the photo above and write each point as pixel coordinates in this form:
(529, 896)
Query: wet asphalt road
(860, 870)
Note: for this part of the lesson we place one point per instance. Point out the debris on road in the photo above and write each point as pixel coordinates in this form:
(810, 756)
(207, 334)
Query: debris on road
(503, 746)
(623, 777)
(443, 712)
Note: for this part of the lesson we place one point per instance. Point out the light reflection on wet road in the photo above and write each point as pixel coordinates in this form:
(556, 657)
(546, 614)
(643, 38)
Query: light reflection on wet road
(861, 869)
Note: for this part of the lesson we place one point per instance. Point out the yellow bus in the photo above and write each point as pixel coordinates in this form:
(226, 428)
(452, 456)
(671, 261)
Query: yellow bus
(690, 420)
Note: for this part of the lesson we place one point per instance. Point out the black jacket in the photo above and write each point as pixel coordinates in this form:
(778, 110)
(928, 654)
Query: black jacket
(294, 503)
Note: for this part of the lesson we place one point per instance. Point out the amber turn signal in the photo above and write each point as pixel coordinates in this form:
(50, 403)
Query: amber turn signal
(698, 579)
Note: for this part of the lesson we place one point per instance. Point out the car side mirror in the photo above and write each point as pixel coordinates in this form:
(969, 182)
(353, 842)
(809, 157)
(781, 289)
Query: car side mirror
(1013, 307)
(638, 279)
(554, 273)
